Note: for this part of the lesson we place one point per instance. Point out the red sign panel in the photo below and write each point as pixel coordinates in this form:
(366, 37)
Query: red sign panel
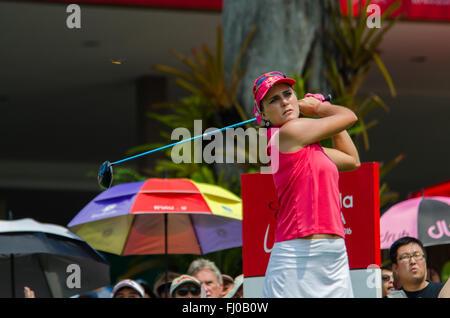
(360, 201)
(434, 10)
(437, 10)
(360, 208)
(259, 205)
(213, 5)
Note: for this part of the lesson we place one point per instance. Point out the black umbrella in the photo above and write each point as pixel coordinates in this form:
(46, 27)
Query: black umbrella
(433, 226)
(49, 259)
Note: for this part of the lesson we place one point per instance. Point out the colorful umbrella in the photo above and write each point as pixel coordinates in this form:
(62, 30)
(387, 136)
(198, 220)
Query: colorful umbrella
(49, 259)
(425, 218)
(161, 216)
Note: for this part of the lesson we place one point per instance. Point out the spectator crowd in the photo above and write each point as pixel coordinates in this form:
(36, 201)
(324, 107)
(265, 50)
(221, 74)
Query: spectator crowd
(408, 276)
(202, 280)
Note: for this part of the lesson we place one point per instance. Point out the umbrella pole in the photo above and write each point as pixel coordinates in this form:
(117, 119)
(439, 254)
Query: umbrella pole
(166, 253)
(13, 283)
(11, 257)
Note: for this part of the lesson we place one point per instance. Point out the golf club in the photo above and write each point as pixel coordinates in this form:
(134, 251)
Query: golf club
(105, 174)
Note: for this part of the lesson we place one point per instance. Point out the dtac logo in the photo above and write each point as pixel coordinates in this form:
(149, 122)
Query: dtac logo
(439, 230)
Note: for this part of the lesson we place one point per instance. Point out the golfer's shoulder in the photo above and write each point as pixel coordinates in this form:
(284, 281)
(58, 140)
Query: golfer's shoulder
(295, 128)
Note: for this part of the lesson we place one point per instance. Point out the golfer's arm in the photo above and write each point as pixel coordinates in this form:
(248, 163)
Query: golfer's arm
(344, 154)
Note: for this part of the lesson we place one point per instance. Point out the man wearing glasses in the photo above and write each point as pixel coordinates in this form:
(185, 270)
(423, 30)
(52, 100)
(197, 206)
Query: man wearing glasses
(409, 265)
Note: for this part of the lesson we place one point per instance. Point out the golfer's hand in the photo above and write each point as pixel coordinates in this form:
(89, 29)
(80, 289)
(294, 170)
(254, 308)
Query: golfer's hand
(306, 106)
(28, 292)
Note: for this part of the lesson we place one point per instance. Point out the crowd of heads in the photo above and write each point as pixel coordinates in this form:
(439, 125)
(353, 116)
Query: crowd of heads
(408, 271)
(203, 279)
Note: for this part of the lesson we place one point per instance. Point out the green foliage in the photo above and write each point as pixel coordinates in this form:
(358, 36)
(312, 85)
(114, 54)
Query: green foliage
(212, 99)
(386, 195)
(358, 53)
(206, 76)
(124, 175)
(300, 83)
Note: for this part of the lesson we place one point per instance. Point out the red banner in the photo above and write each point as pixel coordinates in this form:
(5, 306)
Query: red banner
(434, 10)
(207, 5)
(360, 208)
(259, 206)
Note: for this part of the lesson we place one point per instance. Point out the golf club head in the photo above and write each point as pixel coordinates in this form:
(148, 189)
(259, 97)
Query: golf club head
(105, 175)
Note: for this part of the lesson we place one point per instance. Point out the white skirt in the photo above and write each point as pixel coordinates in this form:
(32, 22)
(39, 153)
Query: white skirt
(308, 269)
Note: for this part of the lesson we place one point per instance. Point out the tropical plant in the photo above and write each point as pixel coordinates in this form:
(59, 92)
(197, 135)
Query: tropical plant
(386, 195)
(358, 48)
(213, 100)
(206, 76)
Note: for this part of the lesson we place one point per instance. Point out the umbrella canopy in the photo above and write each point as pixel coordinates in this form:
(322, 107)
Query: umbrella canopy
(132, 218)
(48, 258)
(427, 219)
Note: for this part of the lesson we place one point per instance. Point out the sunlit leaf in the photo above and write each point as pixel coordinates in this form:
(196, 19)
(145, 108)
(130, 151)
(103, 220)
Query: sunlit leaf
(391, 164)
(385, 73)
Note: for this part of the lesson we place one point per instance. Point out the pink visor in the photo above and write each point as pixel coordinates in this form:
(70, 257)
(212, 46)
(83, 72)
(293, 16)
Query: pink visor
(262, 85)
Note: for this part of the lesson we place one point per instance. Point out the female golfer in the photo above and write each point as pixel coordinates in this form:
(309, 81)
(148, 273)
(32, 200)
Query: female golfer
(309, 257)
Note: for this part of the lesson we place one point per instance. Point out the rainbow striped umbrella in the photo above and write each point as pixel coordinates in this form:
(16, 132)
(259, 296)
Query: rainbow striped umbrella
(161, 216)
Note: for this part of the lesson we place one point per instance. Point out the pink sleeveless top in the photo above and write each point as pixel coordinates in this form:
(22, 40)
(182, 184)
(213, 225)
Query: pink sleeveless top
(307, 184)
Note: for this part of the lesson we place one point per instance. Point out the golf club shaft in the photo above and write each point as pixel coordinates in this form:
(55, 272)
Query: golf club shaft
(328, 98)
(184, 140)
